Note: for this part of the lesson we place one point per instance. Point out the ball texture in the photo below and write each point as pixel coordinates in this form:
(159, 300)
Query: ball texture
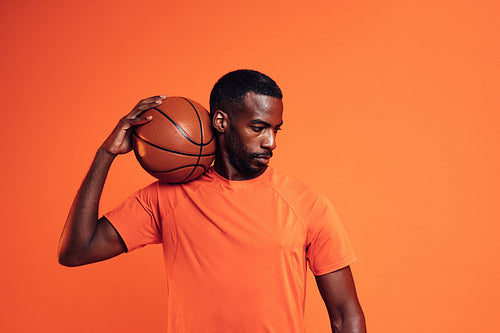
(178, 144)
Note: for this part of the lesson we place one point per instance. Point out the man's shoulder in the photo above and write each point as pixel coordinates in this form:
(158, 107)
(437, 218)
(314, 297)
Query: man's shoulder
(291, 187)
(205, 179)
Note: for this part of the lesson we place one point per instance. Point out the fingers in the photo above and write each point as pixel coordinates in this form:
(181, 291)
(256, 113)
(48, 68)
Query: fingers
(153, 99)
(139, 120)
(144, 105)
(133, 117)
(120, 140)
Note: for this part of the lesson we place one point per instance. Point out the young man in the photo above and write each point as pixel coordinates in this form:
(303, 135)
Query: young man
(237, 240)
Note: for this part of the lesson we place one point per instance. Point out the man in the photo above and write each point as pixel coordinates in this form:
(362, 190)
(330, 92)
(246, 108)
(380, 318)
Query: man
(237, 240)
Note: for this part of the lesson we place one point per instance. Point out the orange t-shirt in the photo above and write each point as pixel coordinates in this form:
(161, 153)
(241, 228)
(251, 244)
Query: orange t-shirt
(236, 251)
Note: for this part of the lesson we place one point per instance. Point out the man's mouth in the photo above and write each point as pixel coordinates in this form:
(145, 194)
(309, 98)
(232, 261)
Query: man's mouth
(263, 158)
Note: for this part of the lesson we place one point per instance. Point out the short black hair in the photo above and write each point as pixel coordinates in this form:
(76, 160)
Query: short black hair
(228, 93)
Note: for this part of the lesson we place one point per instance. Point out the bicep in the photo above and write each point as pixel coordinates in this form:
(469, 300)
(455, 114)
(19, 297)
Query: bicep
(106, 242)
(337, 287)
(339, 294)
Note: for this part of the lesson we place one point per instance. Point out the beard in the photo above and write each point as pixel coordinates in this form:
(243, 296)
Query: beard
(240, 158)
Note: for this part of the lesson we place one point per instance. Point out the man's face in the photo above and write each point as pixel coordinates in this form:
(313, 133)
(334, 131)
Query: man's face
(252, 135)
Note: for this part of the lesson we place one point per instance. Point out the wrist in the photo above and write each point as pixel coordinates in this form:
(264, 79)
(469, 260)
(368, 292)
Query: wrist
(103, 153)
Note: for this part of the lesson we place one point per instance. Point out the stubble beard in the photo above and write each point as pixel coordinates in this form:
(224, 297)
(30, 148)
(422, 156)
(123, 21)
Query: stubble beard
(239, 157)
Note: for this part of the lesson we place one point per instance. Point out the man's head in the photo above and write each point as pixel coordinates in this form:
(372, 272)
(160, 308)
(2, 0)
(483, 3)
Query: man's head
(246, 110)
(228, 93)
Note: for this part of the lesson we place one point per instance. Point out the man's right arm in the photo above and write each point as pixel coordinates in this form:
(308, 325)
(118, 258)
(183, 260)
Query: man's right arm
(85, 238)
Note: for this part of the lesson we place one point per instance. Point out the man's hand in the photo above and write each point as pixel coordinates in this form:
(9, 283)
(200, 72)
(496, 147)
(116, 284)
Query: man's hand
(120, 140)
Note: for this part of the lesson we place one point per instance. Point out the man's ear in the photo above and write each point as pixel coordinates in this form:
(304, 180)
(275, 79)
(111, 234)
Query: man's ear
(220, 121)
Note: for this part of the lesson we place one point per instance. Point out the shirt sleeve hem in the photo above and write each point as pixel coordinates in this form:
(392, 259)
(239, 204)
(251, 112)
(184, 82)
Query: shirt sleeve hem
(334, 267)
(122, 232)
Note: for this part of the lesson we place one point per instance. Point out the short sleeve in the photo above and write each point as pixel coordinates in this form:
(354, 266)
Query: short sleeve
(137, 219)
(328, 247)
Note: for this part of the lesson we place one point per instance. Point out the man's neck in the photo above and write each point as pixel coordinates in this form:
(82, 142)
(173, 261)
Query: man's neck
(226, 170)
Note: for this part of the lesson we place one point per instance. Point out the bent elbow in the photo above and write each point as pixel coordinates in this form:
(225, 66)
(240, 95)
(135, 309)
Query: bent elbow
(68, 260)
(65, 261)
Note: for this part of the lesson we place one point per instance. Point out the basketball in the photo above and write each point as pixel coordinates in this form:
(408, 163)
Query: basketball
(178, 144)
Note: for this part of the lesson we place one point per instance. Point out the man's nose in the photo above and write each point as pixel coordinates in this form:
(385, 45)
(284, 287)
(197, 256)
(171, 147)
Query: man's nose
(269, 140)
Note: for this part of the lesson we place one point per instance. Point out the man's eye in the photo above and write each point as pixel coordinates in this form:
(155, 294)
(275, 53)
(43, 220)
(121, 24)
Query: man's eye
(257, 129)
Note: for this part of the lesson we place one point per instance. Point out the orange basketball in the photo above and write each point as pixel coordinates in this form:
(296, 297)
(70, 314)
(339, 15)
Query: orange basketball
(178, 144)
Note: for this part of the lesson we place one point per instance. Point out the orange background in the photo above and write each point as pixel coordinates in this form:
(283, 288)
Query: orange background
(391, 110)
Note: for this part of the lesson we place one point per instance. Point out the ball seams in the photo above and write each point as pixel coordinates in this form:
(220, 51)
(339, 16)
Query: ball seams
(169, 150)
(184, 134)
(184, 173)
(201, 139)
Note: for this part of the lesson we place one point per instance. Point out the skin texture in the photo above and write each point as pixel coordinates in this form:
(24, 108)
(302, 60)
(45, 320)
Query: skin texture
(339, 294)
(84, 238)
(244, 147)
(245, 144)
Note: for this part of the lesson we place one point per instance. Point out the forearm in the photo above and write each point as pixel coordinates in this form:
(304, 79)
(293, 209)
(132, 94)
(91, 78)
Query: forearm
(353, 322)
(82, 218)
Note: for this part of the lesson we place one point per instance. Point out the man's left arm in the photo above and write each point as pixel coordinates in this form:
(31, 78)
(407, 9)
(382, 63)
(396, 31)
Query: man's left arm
(339, 294)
